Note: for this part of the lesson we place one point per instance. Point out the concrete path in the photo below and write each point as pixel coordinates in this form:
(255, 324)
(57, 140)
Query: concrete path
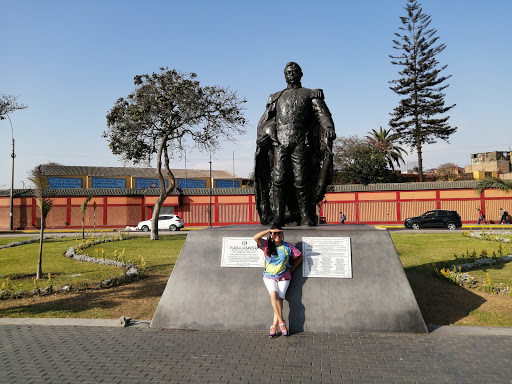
(101, 351)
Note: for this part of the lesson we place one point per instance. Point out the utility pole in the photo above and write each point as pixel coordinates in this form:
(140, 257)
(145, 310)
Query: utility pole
(211, 181)
(11, 213)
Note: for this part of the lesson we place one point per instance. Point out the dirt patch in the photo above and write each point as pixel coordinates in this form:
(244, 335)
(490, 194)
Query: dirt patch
(444, 303)
(137, 300)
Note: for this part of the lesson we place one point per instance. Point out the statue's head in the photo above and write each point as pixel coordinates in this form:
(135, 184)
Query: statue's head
(292, 73)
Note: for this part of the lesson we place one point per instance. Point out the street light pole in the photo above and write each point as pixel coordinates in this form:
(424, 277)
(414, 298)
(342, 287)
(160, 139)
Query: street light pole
(13, 155)
(211, 181)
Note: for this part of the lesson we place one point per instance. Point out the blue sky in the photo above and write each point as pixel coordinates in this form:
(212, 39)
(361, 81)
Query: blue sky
(68, 61)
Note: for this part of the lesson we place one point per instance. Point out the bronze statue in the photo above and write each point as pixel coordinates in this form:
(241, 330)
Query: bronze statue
(293, 164)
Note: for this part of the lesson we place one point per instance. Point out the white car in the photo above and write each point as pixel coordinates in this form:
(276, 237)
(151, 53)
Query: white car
(171, 222)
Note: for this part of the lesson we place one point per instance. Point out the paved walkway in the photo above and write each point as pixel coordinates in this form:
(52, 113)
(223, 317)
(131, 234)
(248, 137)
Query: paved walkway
(101, 351)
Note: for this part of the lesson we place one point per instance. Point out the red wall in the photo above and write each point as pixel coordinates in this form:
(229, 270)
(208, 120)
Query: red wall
(372, 207)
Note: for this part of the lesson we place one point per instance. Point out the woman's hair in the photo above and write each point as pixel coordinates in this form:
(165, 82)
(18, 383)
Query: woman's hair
(271, 250)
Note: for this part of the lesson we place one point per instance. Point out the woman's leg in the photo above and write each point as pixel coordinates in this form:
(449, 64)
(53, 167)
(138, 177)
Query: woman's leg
(282, 287)
(275, 300)
(277, 306)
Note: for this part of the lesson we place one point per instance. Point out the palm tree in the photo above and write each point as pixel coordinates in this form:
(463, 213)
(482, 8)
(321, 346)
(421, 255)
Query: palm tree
(44, 204)
(383, 141)
(494, 182)
(83, 208)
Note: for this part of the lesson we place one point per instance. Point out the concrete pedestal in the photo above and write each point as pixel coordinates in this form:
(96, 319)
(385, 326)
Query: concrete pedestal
(200, 294)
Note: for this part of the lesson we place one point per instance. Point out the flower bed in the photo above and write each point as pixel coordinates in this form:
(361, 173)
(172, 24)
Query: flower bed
(132, 271)
(457, 272)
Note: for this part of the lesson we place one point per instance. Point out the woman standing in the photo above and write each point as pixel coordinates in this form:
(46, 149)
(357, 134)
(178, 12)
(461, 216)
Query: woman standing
(281, 260)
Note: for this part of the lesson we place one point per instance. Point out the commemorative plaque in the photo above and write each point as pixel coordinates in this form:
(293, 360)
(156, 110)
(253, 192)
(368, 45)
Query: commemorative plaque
(241, 252)
(327, 257)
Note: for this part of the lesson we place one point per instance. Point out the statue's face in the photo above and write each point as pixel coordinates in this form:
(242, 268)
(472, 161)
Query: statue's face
(292, 74)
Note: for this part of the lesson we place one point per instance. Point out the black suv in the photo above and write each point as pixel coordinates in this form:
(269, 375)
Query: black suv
(437, 218)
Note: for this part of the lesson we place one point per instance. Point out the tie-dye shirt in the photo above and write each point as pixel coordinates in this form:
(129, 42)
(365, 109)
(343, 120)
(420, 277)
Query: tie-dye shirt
(277, 267)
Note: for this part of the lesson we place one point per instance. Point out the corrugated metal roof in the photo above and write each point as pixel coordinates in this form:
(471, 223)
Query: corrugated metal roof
(218, 191)
(463, 184)
(466, 184)
(130, 192)
(72, 170)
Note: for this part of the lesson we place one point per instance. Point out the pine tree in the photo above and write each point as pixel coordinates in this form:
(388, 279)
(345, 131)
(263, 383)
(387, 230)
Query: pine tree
(418, 119)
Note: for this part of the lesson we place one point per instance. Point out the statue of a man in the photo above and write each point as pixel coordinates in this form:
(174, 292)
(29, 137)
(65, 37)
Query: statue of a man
(294, 153)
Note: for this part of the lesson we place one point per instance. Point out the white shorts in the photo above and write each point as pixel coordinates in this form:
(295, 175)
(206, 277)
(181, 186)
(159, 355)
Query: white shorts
(277, 286)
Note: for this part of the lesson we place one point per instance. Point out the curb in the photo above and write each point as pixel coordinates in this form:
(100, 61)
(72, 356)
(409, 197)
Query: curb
(73, 322)
(436, 330)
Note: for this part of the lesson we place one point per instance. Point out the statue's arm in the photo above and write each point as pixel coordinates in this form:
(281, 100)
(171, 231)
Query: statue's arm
(322, 114)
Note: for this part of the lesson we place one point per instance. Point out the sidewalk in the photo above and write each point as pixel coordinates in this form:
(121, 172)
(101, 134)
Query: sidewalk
(101, 351)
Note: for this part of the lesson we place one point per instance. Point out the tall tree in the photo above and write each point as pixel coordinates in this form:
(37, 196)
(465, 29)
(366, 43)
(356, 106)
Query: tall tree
(45, 205)
(165, 110)
(8, 104)
(418, 119)
(384, 142)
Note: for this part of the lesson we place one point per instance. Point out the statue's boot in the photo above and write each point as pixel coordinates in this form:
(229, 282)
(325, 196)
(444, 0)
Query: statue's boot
(302, 199)
(280, 205)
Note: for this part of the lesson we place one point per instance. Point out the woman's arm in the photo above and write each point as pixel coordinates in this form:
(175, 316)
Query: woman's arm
(296, 263)
(258, 236)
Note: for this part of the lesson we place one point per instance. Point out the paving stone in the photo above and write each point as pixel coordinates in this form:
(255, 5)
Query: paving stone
(79, 354)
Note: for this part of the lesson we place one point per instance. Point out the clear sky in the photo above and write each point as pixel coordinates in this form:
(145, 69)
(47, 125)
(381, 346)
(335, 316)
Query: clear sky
(68, 61)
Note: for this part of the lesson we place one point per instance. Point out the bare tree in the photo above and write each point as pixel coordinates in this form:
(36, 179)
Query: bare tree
(8, 104)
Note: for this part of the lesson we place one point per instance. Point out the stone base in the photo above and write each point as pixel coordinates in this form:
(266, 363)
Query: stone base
(378, 298)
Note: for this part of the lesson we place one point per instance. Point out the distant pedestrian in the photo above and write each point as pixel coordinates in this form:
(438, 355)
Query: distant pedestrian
(481, 217)
(503, 216)
(342, 218)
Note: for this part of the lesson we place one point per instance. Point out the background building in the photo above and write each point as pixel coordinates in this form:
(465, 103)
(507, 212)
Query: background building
(78, 177)
(497, 164)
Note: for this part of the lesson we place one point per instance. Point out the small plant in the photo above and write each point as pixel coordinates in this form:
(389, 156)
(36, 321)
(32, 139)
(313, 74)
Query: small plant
(142, 265)
(456, 276)
(49, 285)
(7, 285)
(488, 284)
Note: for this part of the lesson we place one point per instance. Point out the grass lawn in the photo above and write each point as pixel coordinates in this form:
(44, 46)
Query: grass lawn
(419, 251)
(18, 266)
(440, 301)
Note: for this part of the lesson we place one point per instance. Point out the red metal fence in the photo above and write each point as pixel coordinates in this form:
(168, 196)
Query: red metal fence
(384, 204)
